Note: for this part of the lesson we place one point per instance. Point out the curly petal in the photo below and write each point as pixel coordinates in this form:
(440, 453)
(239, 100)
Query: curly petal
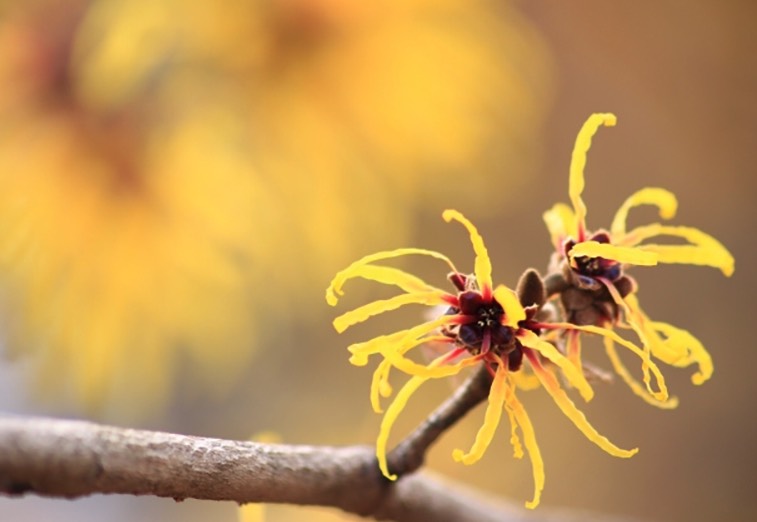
(561, 224)
(703, 250)
(491, 419)
(627, 255)
(679, 348)
(380, 386)
(411, 367)
(334, 290)
(574, 414)
(574, 348)
(636, 387)
(518, 413)
(361, 351)
(483, 265)
(392, 412)
(508, 300)
(578, 163)
(663, 199)
(660, 395)
(360, 314)
(686, 350)
(574, 374)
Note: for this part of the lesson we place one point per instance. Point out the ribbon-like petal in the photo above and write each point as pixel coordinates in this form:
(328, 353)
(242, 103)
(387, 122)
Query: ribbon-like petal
(491, 419)
(483, 265)
(578, 164)
(508, 300)
(628, 255)
(334, 290)
(574, 374)
(574, 414)
(661, 198)
(561, 223)
(636, 387)
(703, 250)
(360, 314)
(518, 413)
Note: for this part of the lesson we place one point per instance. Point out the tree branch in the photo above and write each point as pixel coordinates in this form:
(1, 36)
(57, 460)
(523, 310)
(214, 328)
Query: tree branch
(59, 458)
(72, 458)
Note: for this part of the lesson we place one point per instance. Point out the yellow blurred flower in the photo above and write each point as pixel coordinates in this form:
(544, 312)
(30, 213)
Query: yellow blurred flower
(157, 170)
(597, 289)
(483, 325)
(129, 234)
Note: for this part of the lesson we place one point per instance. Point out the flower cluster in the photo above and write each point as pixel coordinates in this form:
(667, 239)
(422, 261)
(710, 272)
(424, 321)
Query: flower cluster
(595, 290)
(585, 292)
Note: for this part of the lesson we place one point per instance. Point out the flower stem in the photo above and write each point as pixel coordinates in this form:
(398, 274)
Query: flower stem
(409, 454)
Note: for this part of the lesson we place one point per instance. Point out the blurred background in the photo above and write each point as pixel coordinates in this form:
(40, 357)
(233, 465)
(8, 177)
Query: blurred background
(179, 183)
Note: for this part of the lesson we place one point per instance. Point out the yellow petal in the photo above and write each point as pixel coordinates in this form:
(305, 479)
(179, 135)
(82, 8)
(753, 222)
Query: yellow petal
(636, 387)
(518, 413)
(361, 351)
(483, 265)
(704, 249)
(380, 386)
(393, 411)
(491, 420)
(635, 320)
(663, 199)
(574, 374)
(681, 341)
(410, 367)
(525, 380)
(508, 300)
(394, 276)
(578, 162)
(680, 348)
(514, 439)
(360, 314)
(629, 255)
(662, 394)
(574, 348)
(574, 414)
(561, 223)
(334, 290)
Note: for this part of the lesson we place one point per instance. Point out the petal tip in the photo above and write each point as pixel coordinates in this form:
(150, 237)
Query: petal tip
(460, 456)
(449, 214)
(358, 359)
(339, 325)
(331, 296)
(609, 119)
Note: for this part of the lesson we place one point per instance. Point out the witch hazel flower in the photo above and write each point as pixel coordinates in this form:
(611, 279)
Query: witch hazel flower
(589, 273)
(484, 325)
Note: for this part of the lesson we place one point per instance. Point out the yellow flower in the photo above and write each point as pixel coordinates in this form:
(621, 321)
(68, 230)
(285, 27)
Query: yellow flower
(128, 234)
(592, 265)
(483, 325)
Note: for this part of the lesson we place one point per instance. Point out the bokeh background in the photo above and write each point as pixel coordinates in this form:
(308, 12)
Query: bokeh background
(178, 183)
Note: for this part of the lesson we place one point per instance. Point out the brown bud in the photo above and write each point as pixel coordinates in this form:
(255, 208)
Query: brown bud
(531, 289)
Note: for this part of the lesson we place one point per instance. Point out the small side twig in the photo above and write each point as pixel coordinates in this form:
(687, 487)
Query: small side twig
(409, 454)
